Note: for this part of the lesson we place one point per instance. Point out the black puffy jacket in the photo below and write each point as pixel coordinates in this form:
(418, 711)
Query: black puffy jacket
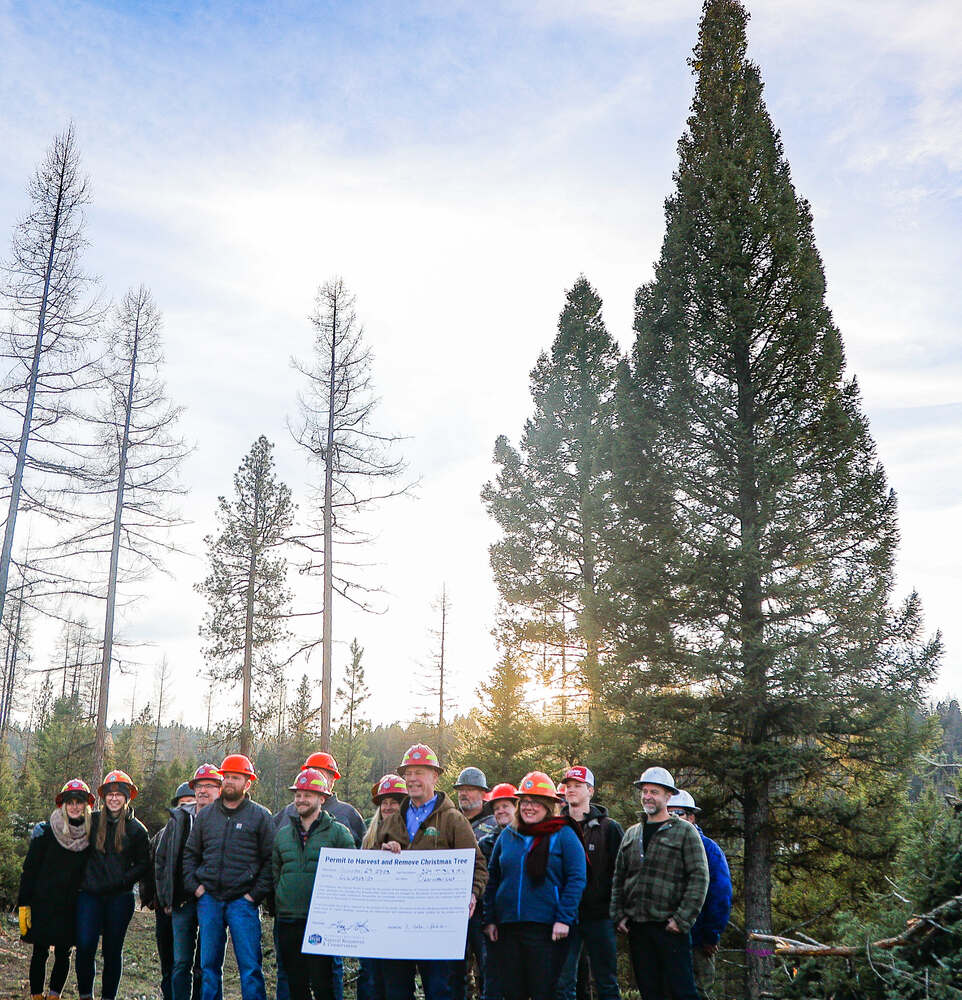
(169, 858)
(109, 873)
(49, 884)
(228, 851)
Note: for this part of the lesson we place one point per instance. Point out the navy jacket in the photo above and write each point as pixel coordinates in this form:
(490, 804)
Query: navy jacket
(713, 918)
(511, 897)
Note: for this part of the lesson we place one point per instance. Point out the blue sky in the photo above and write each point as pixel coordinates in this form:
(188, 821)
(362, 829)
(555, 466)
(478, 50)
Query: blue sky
(460, 164)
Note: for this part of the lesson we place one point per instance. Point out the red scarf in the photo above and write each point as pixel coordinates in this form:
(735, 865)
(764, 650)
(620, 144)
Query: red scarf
(536, 860)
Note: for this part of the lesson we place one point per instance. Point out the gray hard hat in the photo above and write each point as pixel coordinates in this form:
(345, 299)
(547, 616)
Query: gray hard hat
(683, 800)
(472, 777)
(657, 776)
(184, 791)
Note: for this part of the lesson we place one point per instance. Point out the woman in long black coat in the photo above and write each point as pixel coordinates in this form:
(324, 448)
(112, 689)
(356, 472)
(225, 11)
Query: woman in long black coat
(52, 871)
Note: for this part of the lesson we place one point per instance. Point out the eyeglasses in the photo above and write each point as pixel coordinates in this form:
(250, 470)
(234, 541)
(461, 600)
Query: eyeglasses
(676, 812)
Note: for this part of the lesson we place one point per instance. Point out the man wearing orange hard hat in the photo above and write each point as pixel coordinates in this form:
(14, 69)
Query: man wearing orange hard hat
(227, 866)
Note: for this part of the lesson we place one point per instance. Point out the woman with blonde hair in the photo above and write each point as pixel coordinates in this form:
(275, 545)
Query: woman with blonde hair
(119, 858)
(49, 884)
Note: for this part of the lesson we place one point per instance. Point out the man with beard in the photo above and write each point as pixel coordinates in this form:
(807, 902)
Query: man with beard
(659, 886)
(296, 849)
(227, 868)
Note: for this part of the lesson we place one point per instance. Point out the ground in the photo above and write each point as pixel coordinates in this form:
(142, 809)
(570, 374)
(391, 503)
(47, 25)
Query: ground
(141, 968)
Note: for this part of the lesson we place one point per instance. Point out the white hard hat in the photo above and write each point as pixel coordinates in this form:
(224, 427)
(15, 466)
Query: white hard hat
(657, 776)
(683, 800)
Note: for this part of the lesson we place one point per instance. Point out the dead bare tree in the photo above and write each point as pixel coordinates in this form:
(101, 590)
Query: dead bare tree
(46, 360)
(334, 427)
(437, 672)
(138, 484)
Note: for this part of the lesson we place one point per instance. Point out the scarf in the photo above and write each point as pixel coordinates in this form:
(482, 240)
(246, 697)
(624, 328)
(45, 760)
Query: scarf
(536, 860)
(69, 836)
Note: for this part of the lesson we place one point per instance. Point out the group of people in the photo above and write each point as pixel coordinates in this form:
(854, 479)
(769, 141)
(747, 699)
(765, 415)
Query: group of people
(554, 876)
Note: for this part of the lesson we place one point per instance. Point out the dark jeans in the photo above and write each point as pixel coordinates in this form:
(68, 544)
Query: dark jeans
(38, 967)
(492, 972)
(661, 962)
(530, 961)
(598, 939)
(164, 935)
(283, 989)
(214, 917)
(106, 916)
(475, 944)
(399, 978)
(309, 977)
(370, 979)
(186, 976)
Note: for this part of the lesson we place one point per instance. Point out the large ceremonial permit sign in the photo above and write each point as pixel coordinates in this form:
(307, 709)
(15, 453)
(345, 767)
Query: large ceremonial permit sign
(375, 904)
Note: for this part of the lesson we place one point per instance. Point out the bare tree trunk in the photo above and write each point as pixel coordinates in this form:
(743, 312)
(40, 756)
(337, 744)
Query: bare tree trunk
(17, 485)
(444, 625)
(10, 674)
(101, 731)
(161, 690)
(326, 635)
(248, 660)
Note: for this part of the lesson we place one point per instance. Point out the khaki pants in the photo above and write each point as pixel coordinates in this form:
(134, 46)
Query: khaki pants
(704, 967)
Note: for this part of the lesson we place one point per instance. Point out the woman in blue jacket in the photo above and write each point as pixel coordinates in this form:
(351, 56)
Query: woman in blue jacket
(536, 877)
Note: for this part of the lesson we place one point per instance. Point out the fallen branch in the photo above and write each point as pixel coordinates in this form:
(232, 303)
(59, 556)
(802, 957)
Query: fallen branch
(924, 923)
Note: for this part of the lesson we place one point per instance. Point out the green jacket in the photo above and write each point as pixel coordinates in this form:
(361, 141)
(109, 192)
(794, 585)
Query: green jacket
(293, 866)
(671, 880)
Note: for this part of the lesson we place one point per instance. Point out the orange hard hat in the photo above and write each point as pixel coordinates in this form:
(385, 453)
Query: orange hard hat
(237, 763)
(503, 791)
(74, 788)
(538, 783)
(390, 784)
(322, 760)
(118, 778)
(206, 772)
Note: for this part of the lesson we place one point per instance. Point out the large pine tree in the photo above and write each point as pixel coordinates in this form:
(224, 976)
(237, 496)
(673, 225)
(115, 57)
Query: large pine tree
(549, 500)
(776, 663)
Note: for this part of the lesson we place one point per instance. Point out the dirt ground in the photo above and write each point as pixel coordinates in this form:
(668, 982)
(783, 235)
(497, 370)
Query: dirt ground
(141, 979)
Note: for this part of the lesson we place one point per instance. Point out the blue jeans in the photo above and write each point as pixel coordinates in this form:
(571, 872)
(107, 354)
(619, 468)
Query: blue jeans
(370, 979)
(214, 916)
(598, 939)
(399, 978)
(185, 985)
(107, 916)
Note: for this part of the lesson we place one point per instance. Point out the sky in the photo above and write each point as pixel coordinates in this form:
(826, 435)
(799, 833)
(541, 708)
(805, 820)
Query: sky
(459, 165)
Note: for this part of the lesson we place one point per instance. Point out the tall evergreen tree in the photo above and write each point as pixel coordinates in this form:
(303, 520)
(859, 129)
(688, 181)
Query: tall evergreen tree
(779, 658)
(507, 742)
(549, 496)
(349, 739)
(246, 588)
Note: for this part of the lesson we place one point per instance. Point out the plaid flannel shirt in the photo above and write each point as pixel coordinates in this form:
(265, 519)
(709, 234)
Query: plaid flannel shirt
(671, 880)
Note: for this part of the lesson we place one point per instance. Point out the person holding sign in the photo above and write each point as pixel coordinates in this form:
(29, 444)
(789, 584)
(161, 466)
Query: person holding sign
(294, 862)
(427, 821)
(537, 874)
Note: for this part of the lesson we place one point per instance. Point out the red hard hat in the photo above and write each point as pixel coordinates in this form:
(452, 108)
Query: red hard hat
(206, 772)
(390, 784)
(422, 755)
(311, 780)
(118, 778)
(323, 760)
(75, 785)
(503, 791)
(238, 764)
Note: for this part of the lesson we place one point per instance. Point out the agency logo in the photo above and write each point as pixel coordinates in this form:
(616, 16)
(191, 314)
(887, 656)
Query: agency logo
(314, 939)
